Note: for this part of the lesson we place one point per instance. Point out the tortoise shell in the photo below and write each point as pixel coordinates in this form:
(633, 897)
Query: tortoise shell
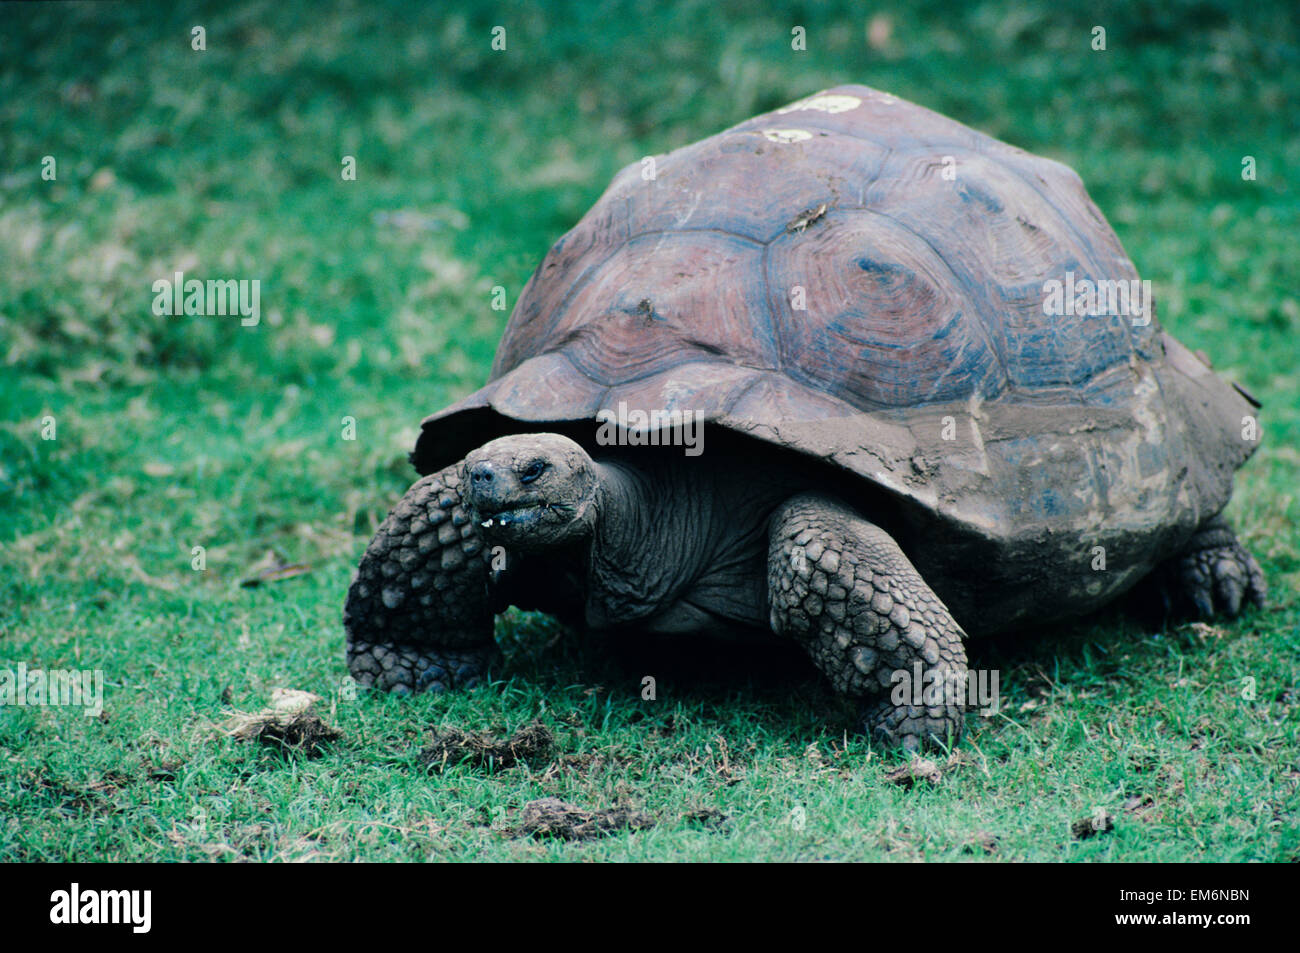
(861, 280)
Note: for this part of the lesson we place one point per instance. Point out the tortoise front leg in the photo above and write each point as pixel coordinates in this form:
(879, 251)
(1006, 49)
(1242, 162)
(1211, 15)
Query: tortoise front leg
(841, 586)
(418, 615)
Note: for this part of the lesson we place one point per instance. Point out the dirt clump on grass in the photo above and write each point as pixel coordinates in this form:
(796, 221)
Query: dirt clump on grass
(551, 817)
(290, 724)
(1084, 828)
(482, 749)
(709, 818)
(304, 731)
(919, 769)
(981, 842)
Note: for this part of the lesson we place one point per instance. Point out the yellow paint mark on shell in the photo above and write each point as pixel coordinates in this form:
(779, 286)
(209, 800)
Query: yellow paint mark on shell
(786, 135)
(825, 102)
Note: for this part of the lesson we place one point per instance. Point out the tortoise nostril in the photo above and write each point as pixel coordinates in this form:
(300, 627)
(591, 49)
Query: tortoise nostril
(481, 473)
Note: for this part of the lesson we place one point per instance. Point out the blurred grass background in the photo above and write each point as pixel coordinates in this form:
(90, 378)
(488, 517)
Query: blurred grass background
(179, 432)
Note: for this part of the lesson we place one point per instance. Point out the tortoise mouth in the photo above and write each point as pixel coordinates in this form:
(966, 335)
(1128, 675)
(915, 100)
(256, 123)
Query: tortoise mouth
(510, 513)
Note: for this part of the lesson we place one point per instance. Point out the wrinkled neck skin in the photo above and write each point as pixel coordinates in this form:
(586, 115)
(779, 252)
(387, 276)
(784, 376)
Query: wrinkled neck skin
(663, 523)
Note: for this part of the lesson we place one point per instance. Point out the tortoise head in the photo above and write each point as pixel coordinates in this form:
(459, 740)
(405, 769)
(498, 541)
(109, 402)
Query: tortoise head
(530, 491)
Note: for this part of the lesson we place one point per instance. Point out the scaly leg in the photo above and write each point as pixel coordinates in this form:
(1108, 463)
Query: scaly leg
(841, 586)
(418, 615)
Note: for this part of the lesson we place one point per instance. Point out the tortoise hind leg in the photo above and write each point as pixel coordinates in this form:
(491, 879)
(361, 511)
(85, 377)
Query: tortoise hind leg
(1213, 575)
(418, 616)
(842, 587)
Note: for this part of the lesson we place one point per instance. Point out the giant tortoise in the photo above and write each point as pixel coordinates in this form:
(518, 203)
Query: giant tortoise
(937, 403)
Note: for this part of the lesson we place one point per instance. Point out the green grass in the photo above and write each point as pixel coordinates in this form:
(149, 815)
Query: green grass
(182, 432)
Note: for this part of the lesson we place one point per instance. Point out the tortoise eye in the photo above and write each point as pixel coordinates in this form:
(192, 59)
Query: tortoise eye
(532, 471)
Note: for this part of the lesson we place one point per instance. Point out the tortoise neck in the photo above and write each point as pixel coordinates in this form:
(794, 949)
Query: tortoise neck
(649, 538)
(662, 524)
(624, 498)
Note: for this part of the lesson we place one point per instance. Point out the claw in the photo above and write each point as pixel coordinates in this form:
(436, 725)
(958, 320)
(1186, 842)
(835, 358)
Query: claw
(1256, 587)
(1229, 586)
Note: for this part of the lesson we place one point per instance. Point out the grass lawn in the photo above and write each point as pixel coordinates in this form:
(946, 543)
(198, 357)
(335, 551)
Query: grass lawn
(172, 433)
